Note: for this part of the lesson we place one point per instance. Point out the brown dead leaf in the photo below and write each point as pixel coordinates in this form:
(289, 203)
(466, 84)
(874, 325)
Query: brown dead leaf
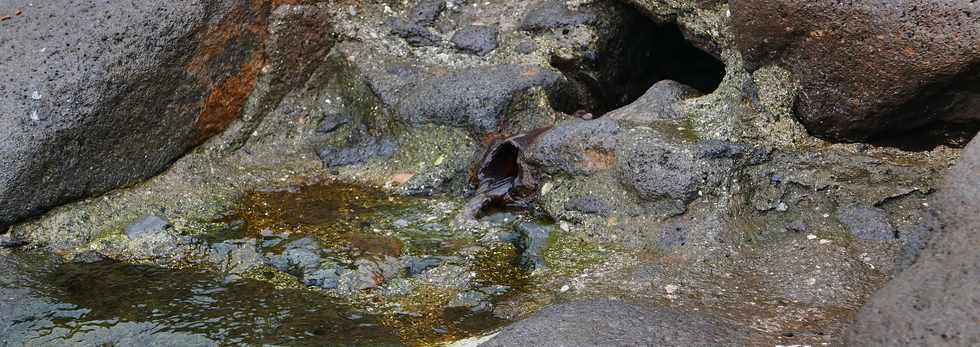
(401, 178)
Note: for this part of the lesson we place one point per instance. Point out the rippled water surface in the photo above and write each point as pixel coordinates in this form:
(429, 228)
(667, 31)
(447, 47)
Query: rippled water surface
(44, 301)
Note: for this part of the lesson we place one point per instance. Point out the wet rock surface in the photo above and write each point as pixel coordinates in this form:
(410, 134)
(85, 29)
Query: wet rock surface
(531, 241)
(424, 186)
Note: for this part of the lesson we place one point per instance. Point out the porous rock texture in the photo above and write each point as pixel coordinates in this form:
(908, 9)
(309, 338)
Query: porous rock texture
(708, 208)
(615, 323)
(936, 302)
(869, 68)
(99, 94)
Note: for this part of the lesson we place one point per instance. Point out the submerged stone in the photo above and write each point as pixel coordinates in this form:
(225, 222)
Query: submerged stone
(530, 245)
(148, 225)
(235, 256)
(323, 278)
(8, 241)
(418, 266)
(88, 257)
(474, 300)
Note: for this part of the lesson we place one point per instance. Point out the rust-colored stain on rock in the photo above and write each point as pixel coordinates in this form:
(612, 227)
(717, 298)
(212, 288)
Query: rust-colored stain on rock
(227, 99)
(229, 80)
(598, 160)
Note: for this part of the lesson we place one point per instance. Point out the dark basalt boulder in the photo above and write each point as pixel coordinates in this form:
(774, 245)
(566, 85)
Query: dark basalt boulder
(96, 94)
(935, 302)
(476, 39)
(615, 323)
(553, 14)
(474, 98)
(870, 68)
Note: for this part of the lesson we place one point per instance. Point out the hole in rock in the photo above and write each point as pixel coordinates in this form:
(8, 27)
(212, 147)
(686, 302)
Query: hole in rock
(929, 137)
(635, 53)
(952, 116)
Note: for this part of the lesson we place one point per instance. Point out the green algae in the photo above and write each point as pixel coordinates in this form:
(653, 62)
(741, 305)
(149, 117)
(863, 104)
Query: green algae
(567, 253)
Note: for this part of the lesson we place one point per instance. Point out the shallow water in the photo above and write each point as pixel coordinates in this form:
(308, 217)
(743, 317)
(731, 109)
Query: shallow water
(44, 301)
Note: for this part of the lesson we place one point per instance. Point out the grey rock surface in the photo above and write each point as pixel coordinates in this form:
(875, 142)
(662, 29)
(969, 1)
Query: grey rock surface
(658, 103)
(588, 205)
(906, 76)
(615, 323)
(935, 302)
(531, 242)
(659, 165)
(9, 241)
(576, 147)
(83, 96)
(426, 12)
(866, 223)
(474, 98)
(148, 225)
(553, 14)
(413, 33)
(476, 39)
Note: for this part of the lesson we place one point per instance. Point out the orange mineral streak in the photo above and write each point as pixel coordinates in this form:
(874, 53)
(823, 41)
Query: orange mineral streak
(228, 91)
(598, 160)
(227, 99)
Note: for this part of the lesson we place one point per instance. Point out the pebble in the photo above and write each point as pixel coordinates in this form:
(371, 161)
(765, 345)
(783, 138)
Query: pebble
(8, 241)
(148, 225)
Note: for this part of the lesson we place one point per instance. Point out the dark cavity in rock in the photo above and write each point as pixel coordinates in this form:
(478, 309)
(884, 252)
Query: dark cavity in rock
(636, 53)
(504, 178)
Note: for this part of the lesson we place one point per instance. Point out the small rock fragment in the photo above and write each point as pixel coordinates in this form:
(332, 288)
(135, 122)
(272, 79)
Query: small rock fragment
(415, 34)
(8, 241)
(526, 47)
(476, 39)
(426, 12)
(866, 223)
(331, 122)
(588, 205)
(88, 257)
(474, 300)
(530, 244)
(553, 14)
(148, 225)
